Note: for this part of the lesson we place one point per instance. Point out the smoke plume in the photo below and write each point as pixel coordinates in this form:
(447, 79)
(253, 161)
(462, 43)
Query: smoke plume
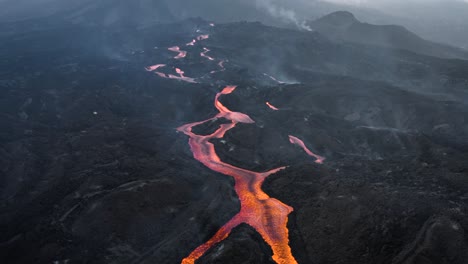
(277, 11)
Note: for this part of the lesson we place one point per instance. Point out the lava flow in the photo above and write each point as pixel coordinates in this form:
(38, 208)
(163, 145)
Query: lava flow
(155, 67)
(271, 106)
(267, 215)
(181, 76)
(191, 43)
(181, 54)
(296, 141)
(203, 54)
(181, 73)
(202, 37)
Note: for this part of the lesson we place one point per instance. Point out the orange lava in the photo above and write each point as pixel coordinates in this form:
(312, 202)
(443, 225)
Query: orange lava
(181, 76)
(155, 67)
(203, 54)
(180, 72)
(271, 106)
(181, 54)
(267, 215)
(202, 37)
(191, 43)
(296, 141)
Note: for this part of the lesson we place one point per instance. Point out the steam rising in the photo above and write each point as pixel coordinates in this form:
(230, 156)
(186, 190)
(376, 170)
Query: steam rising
(282, 13)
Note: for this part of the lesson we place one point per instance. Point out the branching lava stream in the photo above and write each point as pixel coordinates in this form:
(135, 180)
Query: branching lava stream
(267, 215)
(296, 141)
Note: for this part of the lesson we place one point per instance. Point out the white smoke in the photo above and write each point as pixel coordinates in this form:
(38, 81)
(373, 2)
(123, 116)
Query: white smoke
(277, 11)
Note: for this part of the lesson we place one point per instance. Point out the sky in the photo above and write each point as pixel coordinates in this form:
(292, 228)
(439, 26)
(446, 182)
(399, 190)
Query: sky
(389, 2)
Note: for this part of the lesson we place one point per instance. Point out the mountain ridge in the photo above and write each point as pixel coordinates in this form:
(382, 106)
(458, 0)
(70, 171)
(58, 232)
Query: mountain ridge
(344, 26)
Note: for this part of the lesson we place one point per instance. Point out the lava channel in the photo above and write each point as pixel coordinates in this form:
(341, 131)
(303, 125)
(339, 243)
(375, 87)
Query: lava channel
(181, 76)
(203, 54)
(272, 106)
(221, 65)
(155, 67)
(202, 37)
(181, 73)
(191, 43)
(294, 140)
(268, 216)
(181, 54)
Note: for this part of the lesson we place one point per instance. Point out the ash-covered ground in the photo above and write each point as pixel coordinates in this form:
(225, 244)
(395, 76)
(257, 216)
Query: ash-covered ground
(93, 170)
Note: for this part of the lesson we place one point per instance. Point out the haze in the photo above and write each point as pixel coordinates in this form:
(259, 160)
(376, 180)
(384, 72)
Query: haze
(443, 21)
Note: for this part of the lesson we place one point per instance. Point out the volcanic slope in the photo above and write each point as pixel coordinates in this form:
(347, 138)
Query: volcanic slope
(95, 171)
(343, 26)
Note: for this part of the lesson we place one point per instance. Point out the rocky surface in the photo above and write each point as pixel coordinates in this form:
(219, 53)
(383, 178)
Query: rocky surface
(93, 170)
(343, 26)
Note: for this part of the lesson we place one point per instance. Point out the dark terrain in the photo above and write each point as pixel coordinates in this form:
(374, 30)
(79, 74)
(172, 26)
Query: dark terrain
(93, 171)
(343, 26)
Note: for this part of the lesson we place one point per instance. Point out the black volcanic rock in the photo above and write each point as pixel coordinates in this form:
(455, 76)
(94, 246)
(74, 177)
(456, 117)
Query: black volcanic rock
(244, 245)
(101, 12)
(295, 56)
(339, 19)
(344, 26)
(93, 170)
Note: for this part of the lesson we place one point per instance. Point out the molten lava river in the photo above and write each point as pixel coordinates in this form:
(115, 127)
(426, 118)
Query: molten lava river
(268, 216)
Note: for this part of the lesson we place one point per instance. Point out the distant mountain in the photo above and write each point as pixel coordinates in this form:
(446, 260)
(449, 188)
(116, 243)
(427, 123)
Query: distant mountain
(108, 12)
(344, 26)
(93, 171)
(100, 12)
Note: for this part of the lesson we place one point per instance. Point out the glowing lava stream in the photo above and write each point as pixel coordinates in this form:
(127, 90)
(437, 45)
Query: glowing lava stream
(267, 215)
(181, 54)
(199, 38)
(180, 72)
(155, 67)
(202, 37)
(203, 54)
(294, 140)
(271, 106)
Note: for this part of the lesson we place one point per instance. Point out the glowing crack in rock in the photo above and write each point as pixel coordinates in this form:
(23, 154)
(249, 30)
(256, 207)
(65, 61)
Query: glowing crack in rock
(271, 106)
(181, 54)
(221, 66)
(268, 216)
(191, 43)
(181, 74)
(155, 67)
(202, 37)
(203, 54)
(300, 143)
